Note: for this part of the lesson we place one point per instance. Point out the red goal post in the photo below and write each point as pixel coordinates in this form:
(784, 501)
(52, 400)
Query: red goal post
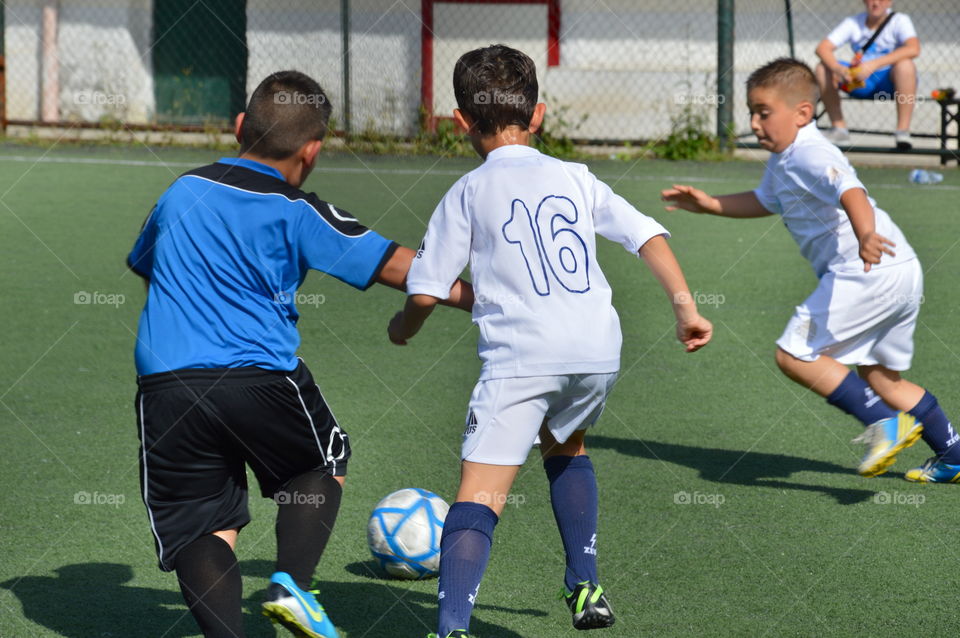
(427, 37)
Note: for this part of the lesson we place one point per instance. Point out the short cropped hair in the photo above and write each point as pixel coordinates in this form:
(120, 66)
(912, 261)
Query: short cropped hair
(792, 79)
(287, 110)
(497, 87)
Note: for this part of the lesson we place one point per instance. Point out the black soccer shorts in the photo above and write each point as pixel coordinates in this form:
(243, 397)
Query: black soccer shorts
(199, 427)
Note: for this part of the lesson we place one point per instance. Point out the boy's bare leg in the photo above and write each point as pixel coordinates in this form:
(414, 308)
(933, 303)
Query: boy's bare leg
(899, 393)
(904, 76)
(229, 536)
(830, 96)
(550, 447)
(486, 484)
(823, 375)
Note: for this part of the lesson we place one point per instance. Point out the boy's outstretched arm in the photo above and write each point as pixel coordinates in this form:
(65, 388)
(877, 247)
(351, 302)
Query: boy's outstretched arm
(863, 220)
(693, 331)
(394, 275)
(740, 205)
(406, 323)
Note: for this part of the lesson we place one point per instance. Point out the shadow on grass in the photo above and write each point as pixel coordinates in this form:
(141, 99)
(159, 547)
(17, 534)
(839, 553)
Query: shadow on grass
(757, 469)
(92, 600)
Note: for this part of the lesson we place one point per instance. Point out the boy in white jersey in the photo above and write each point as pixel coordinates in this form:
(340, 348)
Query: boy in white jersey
(549, 336)
(884, 69)
(864, 310)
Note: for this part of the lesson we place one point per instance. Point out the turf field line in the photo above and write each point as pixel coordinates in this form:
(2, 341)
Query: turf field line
(351, 170)
(410, 171)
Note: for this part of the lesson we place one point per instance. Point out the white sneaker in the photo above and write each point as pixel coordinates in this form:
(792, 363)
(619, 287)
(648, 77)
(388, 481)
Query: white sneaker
(839, 136)
(903, 141)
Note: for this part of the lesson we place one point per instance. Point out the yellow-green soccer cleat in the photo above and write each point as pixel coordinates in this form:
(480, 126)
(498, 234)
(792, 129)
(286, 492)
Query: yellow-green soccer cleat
(884, 441)
(456, 633)
(296, 609)
(934, 471)
(590, 608)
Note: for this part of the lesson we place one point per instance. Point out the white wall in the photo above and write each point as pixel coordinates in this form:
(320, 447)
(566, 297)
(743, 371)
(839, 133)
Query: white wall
(103, 55)
(628, 65)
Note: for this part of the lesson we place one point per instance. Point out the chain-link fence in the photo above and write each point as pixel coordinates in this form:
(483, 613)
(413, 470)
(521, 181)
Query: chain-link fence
(609, 70)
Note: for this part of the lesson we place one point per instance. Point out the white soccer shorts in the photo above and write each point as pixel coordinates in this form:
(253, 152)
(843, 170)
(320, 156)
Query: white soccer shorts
(859, 318)
(505, 414)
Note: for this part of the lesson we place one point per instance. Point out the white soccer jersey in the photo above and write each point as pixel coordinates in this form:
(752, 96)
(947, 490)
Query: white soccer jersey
(855, 32)
(527, 225)
(803, 185)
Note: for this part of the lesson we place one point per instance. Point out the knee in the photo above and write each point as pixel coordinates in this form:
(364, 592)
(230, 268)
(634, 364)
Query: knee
(904, 69)
(785, 361)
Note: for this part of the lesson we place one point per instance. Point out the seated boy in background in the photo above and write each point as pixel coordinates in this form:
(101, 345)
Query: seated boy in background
(864, 310)
(223, 253)
(549, 336)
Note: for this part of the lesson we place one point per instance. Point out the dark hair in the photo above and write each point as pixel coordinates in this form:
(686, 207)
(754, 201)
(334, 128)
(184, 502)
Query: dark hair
(287, 110)
(794, 80)
(497, 87)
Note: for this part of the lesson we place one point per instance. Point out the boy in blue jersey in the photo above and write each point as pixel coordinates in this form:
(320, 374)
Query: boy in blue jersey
(549, 335)
(220, 387)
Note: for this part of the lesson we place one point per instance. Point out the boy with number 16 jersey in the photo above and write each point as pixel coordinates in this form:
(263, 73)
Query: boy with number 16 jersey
(549, 336)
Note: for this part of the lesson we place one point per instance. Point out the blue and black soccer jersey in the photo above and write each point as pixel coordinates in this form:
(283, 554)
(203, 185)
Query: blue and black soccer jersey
(225, 249)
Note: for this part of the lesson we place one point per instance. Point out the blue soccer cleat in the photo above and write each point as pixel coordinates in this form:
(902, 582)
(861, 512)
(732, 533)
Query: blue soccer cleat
(885, 439)
(296, 609)
(934, 471)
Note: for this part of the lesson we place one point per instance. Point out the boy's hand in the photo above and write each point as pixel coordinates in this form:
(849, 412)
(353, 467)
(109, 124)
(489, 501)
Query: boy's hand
(694, 332)
(843, 75)
(872, 248)
(866, 69)
(407, 323)
(395, 330)
(691, 199)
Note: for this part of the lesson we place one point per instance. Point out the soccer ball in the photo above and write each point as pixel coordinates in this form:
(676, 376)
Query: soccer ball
(404, 533)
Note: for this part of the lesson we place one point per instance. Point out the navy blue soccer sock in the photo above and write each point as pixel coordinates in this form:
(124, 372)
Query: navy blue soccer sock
(938, 433)
(464, 552)
(854, 396)
(573, 494)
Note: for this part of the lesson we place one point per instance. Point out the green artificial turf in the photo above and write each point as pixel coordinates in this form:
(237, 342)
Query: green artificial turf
(729, 501)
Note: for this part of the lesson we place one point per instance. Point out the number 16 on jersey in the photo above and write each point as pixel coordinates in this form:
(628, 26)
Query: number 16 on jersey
(549, 244)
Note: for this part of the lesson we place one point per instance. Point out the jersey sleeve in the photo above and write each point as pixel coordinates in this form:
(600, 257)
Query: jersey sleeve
(445, 249)
(140, 259)
(903, 28)
(766, 193)
(826, 177)
(333, 241)
(617, 220)
(844, 33)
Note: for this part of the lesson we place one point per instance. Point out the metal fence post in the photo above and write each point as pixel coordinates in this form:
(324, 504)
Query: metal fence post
(725, 36)
(345, 44)
(790, 30)
(3, 70)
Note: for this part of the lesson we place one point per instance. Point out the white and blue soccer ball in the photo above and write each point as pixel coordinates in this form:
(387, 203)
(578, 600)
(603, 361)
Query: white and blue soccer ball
(404, 533)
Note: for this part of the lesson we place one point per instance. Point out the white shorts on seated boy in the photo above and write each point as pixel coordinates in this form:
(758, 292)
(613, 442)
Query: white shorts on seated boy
(505, 414)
